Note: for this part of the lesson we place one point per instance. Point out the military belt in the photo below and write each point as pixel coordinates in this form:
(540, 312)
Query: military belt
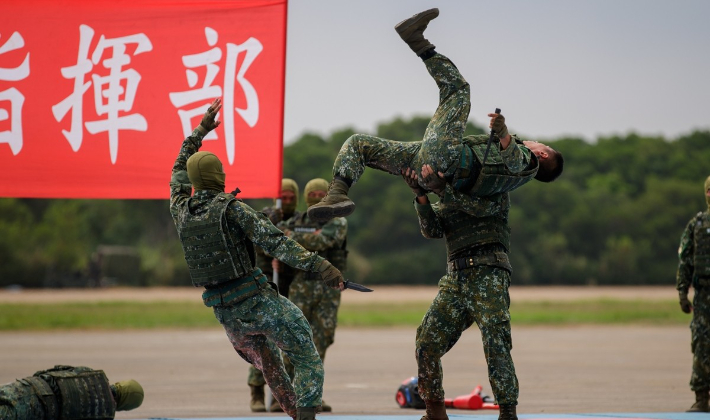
(234, 291)
(498, 259)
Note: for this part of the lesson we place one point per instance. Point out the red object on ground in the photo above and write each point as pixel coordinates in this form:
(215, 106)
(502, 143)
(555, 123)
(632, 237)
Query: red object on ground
(472, 401)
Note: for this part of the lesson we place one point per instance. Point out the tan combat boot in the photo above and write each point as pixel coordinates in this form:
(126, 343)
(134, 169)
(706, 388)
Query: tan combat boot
(701, 402)
(435, 410)
(305, 413)
(507, 412)
(275, 406)
(324, 407)
(412, 30)
(335, 204)
(257, 404)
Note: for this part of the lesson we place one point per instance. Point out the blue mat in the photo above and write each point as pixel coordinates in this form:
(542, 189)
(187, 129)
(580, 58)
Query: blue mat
(599, 416)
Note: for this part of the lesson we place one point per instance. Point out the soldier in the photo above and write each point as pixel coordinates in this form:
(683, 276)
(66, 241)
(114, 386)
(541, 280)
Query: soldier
(289, 202)
(510, 164)
(694, 270)
(218, 233)
(319, 304)
(474, 289)
(67, 393)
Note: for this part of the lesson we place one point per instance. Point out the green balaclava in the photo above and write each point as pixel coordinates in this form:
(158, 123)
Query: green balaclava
(205, 171)
(288, 184)
(705, 192)
(129, 395)
(318, 184)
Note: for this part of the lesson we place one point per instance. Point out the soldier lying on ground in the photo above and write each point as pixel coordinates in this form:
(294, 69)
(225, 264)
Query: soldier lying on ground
(67, 392)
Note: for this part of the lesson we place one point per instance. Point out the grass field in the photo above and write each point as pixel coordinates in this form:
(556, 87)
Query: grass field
(118, 315)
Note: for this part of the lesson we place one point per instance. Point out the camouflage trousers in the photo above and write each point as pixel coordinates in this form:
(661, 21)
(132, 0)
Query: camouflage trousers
(261, 325)
(319, 304)
(19, 401)
(700, 340)
(480, 295)
(442, 143)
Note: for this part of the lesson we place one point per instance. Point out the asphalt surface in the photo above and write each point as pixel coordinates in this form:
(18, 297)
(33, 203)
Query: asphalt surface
(571, 369)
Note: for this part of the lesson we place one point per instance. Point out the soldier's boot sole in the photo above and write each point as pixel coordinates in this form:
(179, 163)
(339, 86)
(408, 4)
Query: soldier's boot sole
(322, 212)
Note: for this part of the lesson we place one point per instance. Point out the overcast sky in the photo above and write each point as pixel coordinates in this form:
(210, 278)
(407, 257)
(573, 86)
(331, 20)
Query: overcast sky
(584, 68)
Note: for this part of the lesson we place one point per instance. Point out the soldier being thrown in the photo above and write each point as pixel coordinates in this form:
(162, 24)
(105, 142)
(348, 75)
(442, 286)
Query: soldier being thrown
(458, 163)
(68, 392)
(218, 233)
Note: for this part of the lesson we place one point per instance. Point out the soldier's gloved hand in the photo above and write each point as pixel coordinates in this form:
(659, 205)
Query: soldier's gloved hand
(410, 177)
(498, 126)
(208, 122)
(433, 181)
(685, 305)
(331, 276)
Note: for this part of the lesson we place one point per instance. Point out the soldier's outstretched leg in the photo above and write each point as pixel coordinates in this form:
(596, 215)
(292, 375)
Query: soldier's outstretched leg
(360, 151)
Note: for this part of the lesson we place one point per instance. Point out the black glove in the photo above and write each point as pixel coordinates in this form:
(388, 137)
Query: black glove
(413, 182)
(208, 122)
(685, 305)
(331, 276)
(498, 126)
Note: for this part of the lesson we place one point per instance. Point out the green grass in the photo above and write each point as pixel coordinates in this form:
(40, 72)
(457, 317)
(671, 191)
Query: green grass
(150, 315)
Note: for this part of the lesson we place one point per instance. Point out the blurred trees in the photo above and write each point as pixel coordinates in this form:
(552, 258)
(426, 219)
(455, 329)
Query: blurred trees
(614, 217)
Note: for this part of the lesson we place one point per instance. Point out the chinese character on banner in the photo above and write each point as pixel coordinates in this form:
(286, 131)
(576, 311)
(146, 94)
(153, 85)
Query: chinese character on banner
(113, 94)
(233, 72)
(13, 137)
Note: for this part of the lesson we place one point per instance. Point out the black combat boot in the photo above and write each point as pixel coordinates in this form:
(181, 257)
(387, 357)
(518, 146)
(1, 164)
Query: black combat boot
(335, 204)
(257, 404)
(412, 31)
(435, 410)
(306, 413)
(507, 412)
(701, 402)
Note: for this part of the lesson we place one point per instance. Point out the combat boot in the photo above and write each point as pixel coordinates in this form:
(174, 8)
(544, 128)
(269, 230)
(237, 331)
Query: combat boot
(324, 407)
(435, 410)
(412, 30)
(306, 413)
(257, 404)
(507, 412)
(275, 406)
(335, 204)
(701, 402)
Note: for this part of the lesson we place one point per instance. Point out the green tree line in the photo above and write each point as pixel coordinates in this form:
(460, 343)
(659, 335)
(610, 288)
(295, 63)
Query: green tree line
(614, 217)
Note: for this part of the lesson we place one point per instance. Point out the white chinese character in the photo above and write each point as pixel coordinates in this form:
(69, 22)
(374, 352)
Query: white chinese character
(204, 94)
(110, 96)
(17, 99)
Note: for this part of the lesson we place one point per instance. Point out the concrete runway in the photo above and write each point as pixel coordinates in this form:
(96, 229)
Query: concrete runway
(196, 374)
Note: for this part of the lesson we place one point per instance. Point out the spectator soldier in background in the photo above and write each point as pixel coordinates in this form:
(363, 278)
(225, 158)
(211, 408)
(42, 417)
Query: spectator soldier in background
(694, 270)
(318, 303)
(267, 264)
(67, 393)
(218, 234)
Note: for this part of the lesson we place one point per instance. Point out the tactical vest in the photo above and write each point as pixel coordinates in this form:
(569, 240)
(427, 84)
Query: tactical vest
(210, 253)
(82, 393)
(463, 231)
(701, 238)
(495, 177)
(336, 256)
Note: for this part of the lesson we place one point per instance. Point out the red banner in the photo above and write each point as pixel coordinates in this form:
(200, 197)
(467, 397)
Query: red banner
(97, 96)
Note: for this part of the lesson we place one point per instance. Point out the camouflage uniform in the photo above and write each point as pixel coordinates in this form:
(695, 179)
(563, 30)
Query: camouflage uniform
(475, 292)
(694, 270)
(443, 146)
(64, 392)
(261, 321)
(318, 302)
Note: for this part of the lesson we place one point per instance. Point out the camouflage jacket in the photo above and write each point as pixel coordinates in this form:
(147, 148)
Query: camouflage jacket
(324, 238)
(693, 262)
(242, 221)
